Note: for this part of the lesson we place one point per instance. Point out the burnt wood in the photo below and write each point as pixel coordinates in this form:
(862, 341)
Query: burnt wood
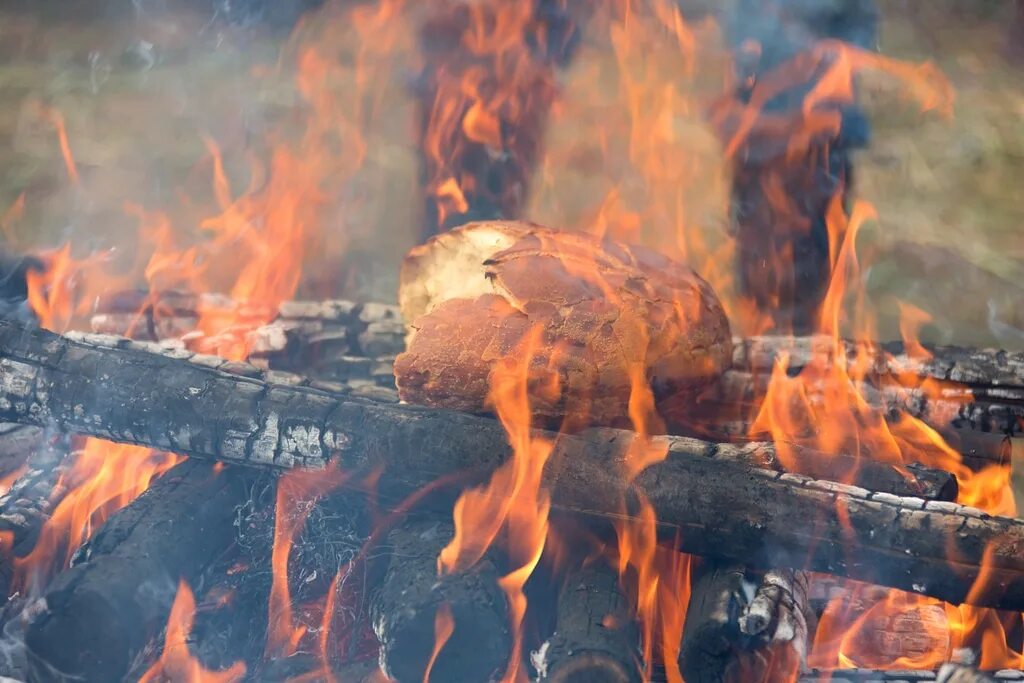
(17, 444)
(726, 409)
(983, 388)
(406, 605)
(962, 365)
(596, 638)
(979, 429)
(950, 673)
(26, 507)
(102, 612)
(207, 408)
(732, 635)
(347, 341)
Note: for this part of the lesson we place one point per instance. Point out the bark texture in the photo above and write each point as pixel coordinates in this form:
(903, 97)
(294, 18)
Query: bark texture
(745, 626)
(103, 611)
(595, 639)
(982, 389)
(406, 606)
(207, 408)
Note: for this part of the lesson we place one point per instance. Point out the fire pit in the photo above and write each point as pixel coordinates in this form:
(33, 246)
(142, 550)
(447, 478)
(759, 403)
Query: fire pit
(617, 448)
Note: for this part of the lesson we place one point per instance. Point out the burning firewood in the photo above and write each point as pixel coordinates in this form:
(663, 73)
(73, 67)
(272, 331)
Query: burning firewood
(102, 612)
(614, 320)
(981, 389)
(337, 340)
(454, 627)
(745, 626)
(726, 509)
(27, 504)
(596, 637)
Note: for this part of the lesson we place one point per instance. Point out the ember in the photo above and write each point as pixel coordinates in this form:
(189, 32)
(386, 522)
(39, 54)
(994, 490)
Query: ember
(547, 457)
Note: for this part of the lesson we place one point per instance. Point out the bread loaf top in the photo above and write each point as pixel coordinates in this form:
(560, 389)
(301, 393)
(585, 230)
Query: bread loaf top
(610, 315)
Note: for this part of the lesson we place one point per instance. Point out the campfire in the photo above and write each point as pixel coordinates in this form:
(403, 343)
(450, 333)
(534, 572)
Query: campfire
(621, 443)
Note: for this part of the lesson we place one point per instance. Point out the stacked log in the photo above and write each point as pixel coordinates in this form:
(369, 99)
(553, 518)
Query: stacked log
(406, 606)
(928, 484)
(97, 616)
(733, 635)
(229, 411)
(596, 637)
(979, 389)
(26, 506)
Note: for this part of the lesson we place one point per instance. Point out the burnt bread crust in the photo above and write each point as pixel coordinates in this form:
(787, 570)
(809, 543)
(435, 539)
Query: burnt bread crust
(607, 318)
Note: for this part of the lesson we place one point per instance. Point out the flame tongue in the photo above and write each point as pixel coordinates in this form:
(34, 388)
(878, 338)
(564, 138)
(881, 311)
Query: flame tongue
(513, 501)
(177, 664)
(824, 407)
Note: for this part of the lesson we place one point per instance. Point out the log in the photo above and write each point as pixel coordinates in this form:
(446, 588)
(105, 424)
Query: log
(960, 365)
(333, 339)
(345, 341)
(978, 428)
(17, 444)
(102, 612)
(734, 636)
(27, 506)
(720, 508)
(949, 673)
(958, 673)
(985, 387)
(596, 638)
(405, 608)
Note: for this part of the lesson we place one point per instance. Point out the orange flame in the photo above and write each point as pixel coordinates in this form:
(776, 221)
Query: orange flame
(491, 89)
(297, 490)
(103, 478)
(10, 217)
(444, 626)
(824, 407)
(258, 240)
(513, 500)
(56, 119)
(176, 663)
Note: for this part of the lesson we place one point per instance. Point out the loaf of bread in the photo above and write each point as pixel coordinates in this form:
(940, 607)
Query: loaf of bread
(607, 318)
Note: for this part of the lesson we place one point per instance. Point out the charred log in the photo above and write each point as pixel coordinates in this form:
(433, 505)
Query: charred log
(737, 633)
(720, 508)
(411, 597)
(596, 638)
(18, 444)
(349, 342)
(984, 376)
(103, 611)
(782, 246)
(335, 339)
(979, 424)
(27, 506)
(961, 365)
(479, 149)
(956, 673)
(950, 673)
